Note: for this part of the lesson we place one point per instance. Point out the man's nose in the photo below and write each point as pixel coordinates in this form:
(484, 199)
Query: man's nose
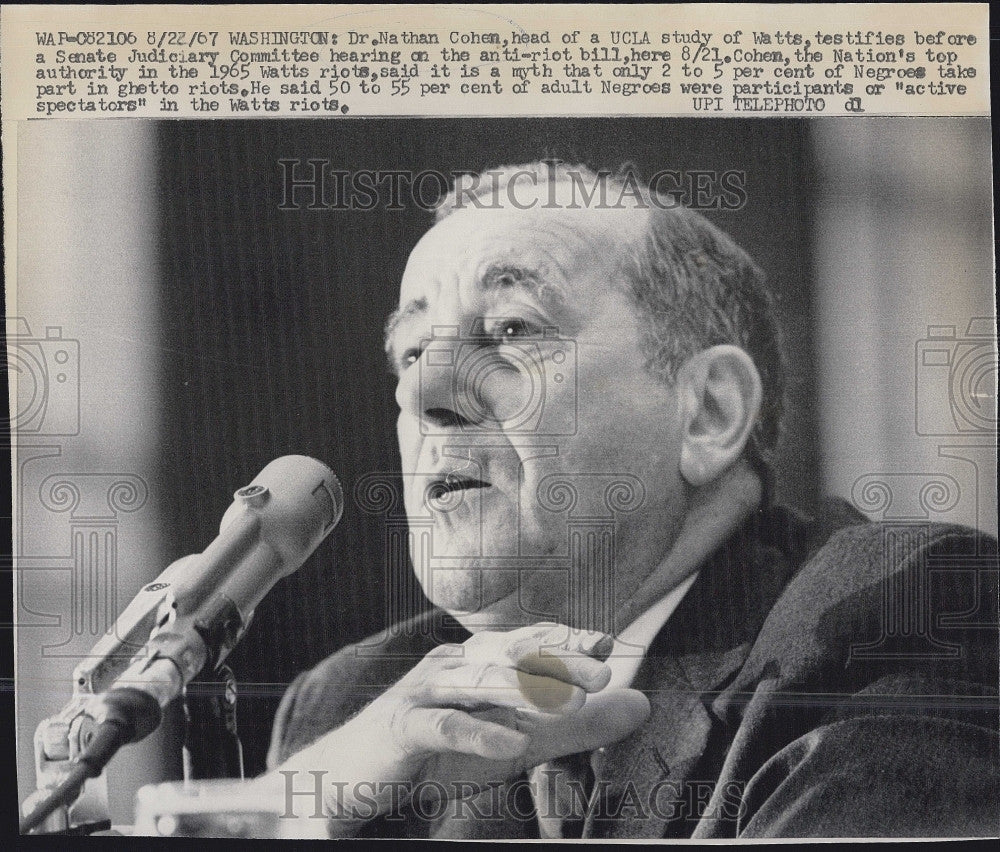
(428, 390)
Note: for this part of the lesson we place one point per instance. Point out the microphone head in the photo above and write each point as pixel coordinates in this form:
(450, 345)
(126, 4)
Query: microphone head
(298, 500)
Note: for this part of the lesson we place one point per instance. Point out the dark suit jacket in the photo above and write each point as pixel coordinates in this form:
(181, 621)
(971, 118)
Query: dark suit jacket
(826, 677)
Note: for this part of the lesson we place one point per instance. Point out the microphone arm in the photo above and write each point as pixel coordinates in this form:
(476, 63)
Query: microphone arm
(190, 617)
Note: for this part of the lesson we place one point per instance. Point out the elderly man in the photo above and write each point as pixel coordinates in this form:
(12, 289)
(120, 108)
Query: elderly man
(630, 640)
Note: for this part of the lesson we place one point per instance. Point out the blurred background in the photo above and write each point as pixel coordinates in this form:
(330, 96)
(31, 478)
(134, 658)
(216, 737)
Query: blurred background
(179, 330)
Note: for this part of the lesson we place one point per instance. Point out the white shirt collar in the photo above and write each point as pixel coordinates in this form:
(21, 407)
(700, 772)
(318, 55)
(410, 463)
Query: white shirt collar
(632, 643)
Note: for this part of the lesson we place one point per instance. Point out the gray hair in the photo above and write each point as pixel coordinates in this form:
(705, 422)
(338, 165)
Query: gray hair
(691, 285)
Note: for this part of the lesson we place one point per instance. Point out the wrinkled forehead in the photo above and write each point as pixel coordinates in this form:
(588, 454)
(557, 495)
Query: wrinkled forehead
(560, 243)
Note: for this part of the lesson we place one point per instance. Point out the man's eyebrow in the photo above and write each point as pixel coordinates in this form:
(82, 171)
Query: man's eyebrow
(496, 276)
(504, 276)
(404, 312)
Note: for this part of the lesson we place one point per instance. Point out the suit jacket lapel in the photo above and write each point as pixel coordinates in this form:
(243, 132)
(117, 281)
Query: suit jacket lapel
(648, 767)
(640, 781)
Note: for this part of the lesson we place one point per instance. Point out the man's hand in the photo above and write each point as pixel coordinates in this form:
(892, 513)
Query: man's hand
(473, 715)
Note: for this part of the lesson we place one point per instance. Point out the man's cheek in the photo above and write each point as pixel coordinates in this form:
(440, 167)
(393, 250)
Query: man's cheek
(409, 438)
(504, 395)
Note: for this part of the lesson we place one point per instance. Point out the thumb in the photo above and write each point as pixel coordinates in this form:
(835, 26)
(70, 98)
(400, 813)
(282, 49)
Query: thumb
(605, 718)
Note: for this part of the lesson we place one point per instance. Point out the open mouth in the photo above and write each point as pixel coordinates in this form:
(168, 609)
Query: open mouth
(453, 482)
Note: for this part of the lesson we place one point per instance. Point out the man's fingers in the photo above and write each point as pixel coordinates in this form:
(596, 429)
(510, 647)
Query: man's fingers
(544, 634)
(550, 650)
(604, 719)
(449, 730)
(487, 685)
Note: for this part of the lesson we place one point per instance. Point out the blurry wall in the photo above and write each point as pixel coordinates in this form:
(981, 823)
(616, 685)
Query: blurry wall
(905, 317)
(271, 329)
(86, 356)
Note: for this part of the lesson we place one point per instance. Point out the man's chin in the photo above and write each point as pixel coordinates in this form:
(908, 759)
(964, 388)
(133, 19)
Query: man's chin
(503, 610)
(469, 604)
(492, 618)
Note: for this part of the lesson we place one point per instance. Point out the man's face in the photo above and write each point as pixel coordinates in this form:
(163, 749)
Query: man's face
(523, 398)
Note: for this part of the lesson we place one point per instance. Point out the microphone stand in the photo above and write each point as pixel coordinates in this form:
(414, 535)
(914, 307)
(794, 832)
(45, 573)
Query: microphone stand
(73, 747)
(212, 747)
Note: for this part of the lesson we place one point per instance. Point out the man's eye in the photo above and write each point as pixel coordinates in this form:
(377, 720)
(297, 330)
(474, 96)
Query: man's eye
(409, 357)
(511, 329)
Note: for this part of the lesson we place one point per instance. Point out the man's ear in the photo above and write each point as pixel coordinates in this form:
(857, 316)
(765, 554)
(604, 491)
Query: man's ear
(720, 394)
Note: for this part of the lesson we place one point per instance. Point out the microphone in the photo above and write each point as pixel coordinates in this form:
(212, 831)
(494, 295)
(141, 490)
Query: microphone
(273, 525)
(192, 615)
